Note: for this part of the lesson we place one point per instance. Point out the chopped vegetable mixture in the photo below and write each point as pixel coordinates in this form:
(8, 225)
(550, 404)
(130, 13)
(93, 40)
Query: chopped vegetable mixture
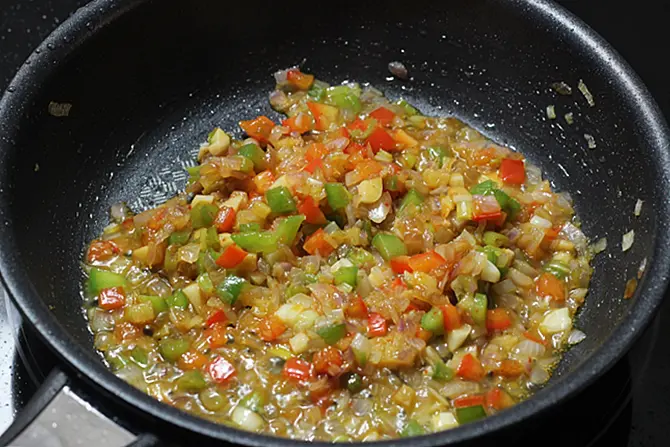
(356, 272)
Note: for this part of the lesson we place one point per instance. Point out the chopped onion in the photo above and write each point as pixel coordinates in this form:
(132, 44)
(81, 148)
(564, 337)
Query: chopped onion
(574, 235)
(379, 210)
(540, 221)
(504, 287)
(528, 348)
(456, 388)
(590, 141)
(551, 112)
(638, 207)
(281, 75)
(538, 376)
(361, 407)
(490, 272)
(599, 246)
(576, 336)
(457, 337)
(557, 320)
(398, 70)
(642, 268)
(533, 174)
(247, 419)
(587, 94)
(569, 118)
(119, 212)
(519, 278)
(561, 88)
(627, 240)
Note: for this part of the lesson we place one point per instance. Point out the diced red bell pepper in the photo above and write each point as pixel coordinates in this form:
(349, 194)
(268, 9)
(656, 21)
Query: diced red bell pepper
(216, 335)
(270, 328)
(468, 401)
(317, 243)
(313, 165)
(112, 298)
(452, 318)
(231, 257)
(510, 369)
(301, 80)
(380, 139)
(498, 399)
(225, 219)
(376, 325)
(426, 262)
(301, 123)
(258, 128)
(486, 208)
(221, 370)
(324, 115)
(326, 357)
(512, 171)
(400, 265)
(358, 124)
(263, 181)
(218, 316)
(470, 369)
(316, 151)
(383, 116)
(423, 334)
(548, 285)
(357, 308)
(310, 209)
(102, 251)
(298, 370)
(497, 320)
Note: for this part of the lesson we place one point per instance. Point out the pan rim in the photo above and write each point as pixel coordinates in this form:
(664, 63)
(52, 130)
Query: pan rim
(100, 13)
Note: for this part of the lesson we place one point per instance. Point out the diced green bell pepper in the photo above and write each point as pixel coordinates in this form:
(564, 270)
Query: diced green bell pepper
(193, 174)
(478, 310)
(179, 237)
(172, 348)
(255, 401)
(344, 97)
(255, 154)
(491, 252)
(495, 239)
(337, 195)
(99, 279)
(470, 414)
(191, 382)
(171, 260)
(392, 183)
(557, 268)
(256, 241)
(409, 109)
(249, 227)
(484, 188)
(212, 238)
(205, 283)
(346, 275)
(413, 199)
(407, 159)
(139, 356)
(442, 372)
(139, 313)
(203, 215)
(333, 333)
(116, 359)
(433, 321)
(294, 289)
(178, 299)
(413, 428)
(317, 91)
(280, 200)
(159, 304)
(389, 246)
(230, 288)
(508, 204)
(287, 229)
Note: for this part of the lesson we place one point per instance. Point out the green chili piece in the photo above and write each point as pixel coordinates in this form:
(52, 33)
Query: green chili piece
(249, 227)
(557, 268)
(256, 241)
(255, 154)
(478, 310)
(495, 239)
(159, 304)
(280, 200)
(389, 246)
(413, 428)
(344, 97)
(484, 188)
(139, 356)
(413, 198)
(191, 382)
(442, 371)
(409, 109)
(205, 283)
(288, 228)
(361, 257)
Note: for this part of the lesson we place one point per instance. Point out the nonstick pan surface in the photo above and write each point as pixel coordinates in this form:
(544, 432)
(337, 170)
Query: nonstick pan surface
(147, 80)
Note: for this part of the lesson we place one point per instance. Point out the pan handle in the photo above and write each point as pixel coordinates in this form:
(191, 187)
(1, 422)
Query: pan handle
(58, 416)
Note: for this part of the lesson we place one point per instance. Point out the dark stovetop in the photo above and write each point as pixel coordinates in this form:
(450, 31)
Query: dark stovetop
(635, 395)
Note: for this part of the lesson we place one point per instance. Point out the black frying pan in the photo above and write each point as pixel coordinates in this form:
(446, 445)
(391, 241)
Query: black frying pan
(148, 79)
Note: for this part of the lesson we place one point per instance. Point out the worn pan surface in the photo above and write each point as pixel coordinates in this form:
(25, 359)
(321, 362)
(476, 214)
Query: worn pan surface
(148, 79)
